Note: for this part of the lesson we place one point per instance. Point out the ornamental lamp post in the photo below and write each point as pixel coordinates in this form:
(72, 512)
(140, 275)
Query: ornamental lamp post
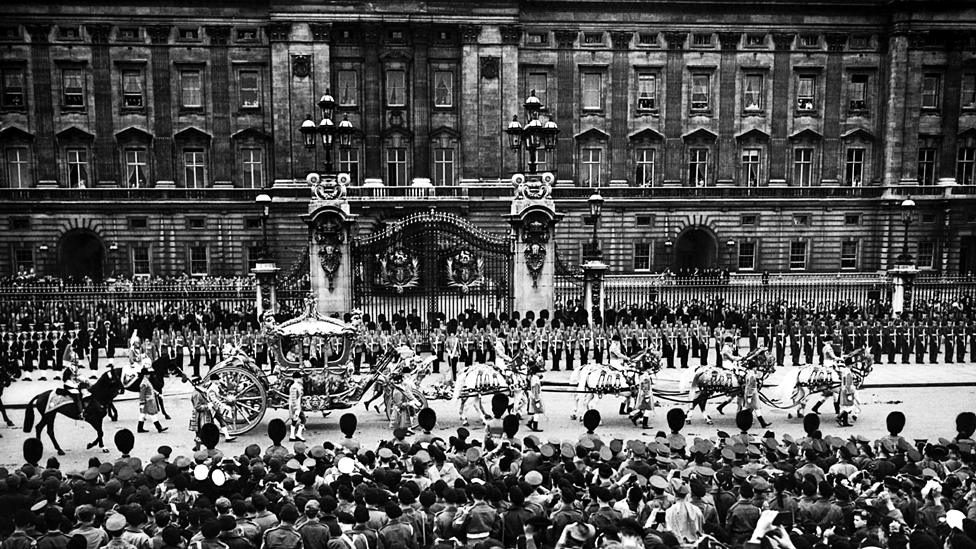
(264, 202)
(535, 135)
(730, 244)
(596, 211)
(327, 128)
(907, 214)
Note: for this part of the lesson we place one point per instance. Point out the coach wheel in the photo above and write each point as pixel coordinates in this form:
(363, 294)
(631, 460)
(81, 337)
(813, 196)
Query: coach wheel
(243, 399)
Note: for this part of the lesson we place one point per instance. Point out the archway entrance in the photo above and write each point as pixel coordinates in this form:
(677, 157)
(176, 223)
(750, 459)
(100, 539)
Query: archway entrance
(81, 254)
(695, 249)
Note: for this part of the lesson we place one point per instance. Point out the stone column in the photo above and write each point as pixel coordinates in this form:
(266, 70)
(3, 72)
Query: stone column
(727, 108)
(372, 103)
(533, 218)
(278, 35)
(162, 105)
(620, 74)
(45, 146)
(833, 80)
(565, 108)
(673, 145)
(330, 246)
(951, 92)
(469, 82)
(778, 143)
(221, 147)
(105, 164)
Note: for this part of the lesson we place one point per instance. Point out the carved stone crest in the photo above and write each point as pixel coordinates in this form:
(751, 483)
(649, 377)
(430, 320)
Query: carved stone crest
(329, 236)
(535, 260)
(489, 67)
(328, 187)
(399, 270)
(464, 270)
(533, 187)
(301, 66)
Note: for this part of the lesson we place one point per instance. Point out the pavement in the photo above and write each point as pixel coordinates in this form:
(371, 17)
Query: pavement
(930, 395)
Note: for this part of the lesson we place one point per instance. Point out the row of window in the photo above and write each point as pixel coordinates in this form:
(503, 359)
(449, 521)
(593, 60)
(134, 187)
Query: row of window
(753, 86)
(593, 92)
(135, 167)
(132, 87)
(195, 162)
(592, 163)
(698, 40)
(799, 256)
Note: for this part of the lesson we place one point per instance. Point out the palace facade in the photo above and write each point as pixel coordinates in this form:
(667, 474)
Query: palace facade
(773, 136)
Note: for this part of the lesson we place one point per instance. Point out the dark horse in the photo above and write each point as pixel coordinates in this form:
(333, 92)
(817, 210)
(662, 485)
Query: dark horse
(4, 383)
(93, 411)
(157, 378)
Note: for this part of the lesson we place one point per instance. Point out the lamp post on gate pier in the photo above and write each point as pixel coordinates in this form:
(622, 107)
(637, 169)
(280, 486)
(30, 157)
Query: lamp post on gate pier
(904, 271)
(265, 270)
(730, 244)
(330, 134)
(536, 135)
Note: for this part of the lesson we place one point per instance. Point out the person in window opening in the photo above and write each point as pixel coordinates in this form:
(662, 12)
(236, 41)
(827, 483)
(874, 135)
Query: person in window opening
(701, 181)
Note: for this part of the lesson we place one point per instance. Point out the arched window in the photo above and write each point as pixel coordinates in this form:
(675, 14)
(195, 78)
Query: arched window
(135, 146)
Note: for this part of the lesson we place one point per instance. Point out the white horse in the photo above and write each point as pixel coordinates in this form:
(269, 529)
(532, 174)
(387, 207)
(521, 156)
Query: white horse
(593, 381)
(480, 380)
(800, 384)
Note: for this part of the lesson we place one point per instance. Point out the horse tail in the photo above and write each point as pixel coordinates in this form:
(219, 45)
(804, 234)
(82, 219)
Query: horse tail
(787, 385)
(29, 414)
(574, 377)
(459, 382)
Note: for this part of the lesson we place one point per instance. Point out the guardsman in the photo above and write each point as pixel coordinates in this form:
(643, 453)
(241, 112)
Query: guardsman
(584, 345)
(684, 337)
(779, 341)
(111, 339)
(860, 334)
(971, 338)
(97, 343)
(452, 346)
(901, 338)
(47, 352)
(874, 341)
(753, 333)
(809, 341)
(960, 335)
(921, 333)
(32, 349)
(557, 344)
(667, 342)
(911, 334)
(213, 350)
(934, 339)
(888, 341)
(795, 343)
(948, 341)
(847, 333)
(704, 335)
(719, 334)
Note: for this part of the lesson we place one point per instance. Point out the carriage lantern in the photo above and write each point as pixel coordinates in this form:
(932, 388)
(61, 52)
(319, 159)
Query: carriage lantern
(308, 131)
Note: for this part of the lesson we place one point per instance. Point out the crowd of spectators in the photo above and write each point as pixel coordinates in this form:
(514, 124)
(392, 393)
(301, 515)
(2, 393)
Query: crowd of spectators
(756, 490)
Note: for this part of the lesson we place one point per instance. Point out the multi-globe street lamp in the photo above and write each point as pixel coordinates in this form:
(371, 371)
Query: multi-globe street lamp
(535, 135)
(907, 214)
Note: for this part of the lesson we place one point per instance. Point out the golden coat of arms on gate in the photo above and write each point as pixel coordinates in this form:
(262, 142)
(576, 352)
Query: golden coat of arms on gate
(399, 270)
(465, 271)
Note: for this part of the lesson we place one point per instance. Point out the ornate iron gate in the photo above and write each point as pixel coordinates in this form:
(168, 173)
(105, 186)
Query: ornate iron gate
(429, 263)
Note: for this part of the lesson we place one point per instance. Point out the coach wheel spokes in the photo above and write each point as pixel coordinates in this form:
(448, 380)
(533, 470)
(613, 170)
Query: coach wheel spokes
(244, 399)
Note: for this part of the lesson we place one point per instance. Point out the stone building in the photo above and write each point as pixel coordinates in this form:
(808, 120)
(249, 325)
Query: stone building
(136, 136)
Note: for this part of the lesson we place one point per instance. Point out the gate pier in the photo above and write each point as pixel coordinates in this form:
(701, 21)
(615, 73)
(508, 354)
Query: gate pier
(533, 218)
(330, 262)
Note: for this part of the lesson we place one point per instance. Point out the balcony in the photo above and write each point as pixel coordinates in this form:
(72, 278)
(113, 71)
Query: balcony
(479, 190)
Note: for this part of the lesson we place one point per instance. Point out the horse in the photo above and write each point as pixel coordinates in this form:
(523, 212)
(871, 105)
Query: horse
(4, 383)
(593, 381)
(711, 381)
(480, 380)
(800, 384)
(159, 369)
(383, 386)
(94, 408)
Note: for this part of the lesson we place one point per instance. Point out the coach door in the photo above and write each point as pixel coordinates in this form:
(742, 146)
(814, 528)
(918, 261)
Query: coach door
(432, 263)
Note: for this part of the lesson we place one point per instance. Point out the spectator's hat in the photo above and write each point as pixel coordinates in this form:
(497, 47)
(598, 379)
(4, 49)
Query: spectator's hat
(385, 453)
(90, 474)
(105, 468)
(317, 452)
(252, 451)
(533, 478)
(115, 523)
(473, 454)
(126, 473)
(567, 450)
(38, 506)
(605, 453)
(580, 532)
(547, 450)
(658, 482)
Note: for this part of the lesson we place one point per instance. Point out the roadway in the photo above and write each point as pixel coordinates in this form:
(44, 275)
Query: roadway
(930, 395)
